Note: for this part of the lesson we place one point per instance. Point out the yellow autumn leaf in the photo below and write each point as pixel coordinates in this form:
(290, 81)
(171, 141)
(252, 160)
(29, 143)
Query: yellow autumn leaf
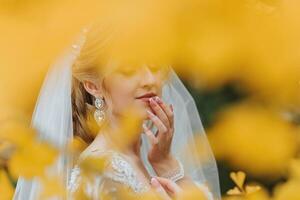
(234, 191)
(251, 189)
(238, 178)
(242, 189)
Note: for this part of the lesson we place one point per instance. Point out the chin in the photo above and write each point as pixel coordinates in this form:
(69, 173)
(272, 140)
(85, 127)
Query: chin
(141, 110)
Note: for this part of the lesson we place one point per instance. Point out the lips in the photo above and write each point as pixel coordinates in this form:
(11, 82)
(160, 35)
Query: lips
(147, 96)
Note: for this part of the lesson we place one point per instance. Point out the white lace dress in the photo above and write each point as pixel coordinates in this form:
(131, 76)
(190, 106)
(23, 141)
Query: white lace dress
(117, 172)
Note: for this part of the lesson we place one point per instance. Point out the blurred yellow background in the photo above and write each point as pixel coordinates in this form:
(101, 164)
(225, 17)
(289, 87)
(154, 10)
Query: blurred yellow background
(251, 47)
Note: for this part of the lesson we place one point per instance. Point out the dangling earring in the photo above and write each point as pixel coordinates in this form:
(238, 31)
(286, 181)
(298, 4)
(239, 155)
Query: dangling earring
(99, 113)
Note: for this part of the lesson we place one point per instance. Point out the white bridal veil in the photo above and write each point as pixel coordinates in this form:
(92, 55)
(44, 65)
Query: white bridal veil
(52, 118)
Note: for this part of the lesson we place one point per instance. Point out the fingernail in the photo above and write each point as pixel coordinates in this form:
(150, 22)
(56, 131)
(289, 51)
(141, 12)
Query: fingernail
(151, 100)
(145, 127)
(154, 182)
(150, 113)
(171, 107)
(158, 100)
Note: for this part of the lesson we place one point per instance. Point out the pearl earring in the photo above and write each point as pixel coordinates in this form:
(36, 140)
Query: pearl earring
(99, 113)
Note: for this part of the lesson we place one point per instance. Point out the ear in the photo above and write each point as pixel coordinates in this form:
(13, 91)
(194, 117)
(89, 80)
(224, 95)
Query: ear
(92, 88)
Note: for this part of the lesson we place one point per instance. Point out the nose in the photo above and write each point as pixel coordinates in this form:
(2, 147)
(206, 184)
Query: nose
(148, 77)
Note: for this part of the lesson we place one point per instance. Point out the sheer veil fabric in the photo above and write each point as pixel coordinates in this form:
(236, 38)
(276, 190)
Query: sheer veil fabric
(52, 118)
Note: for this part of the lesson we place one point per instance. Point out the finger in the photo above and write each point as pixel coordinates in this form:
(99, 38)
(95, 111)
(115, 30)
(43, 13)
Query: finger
(169, 185)
(158, 123)
(159, 189)
(153, 140)
(158, 110)
(168, 110)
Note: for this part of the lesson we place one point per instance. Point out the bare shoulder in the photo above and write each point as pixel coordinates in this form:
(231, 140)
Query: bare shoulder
(96, 148)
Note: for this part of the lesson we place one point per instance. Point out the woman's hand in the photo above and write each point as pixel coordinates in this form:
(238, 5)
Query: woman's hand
(166, 188)
(163, 118)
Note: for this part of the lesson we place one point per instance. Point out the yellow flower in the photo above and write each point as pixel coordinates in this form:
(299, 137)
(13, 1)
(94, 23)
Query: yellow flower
(76, 146)
(245, 192)
(254, 139)
(30, 156)
(241, 189)
(130, 129)
(294, 169)
(16, 132)
(32, 160)
(6, 188)
(288, 190)
(93, 165)
(52, 187)
(259, 195)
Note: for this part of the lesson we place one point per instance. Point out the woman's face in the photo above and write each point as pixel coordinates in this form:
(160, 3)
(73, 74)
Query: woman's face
(133, 87)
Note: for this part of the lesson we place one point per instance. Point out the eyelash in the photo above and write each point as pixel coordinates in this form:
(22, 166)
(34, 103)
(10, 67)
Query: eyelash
(155, 69)
(131, 72)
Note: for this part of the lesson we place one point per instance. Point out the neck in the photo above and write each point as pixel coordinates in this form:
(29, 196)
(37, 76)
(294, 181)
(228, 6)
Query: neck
(114, 128)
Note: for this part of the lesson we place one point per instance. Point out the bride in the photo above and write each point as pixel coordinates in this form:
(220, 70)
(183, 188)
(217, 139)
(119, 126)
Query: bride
(165, 156)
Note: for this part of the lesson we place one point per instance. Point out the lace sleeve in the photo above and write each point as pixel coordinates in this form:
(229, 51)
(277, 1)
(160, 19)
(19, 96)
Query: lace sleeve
(118, 173)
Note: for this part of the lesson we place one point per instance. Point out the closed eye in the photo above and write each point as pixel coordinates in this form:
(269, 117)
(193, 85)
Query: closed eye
(127, 71)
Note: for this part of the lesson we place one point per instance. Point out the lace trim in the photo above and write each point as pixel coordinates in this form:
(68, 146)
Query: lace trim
(176, 174)
(121, 172)
(124, 173)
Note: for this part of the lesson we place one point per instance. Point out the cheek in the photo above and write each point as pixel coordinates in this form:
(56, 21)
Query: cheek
(121, 93)
(160, 79)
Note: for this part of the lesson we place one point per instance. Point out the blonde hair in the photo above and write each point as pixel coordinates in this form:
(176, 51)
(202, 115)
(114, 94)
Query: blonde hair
(91, 64)
(86, 67)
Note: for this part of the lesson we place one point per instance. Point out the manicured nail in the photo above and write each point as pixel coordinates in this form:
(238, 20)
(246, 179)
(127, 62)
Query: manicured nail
(145, 127)
(150, 113)
(151, 100)
(158, 100)
(154, 182)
